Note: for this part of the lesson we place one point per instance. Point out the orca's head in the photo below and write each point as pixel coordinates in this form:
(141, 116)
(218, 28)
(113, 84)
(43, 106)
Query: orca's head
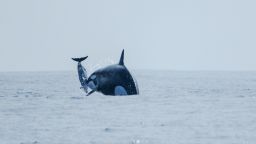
(93, 82)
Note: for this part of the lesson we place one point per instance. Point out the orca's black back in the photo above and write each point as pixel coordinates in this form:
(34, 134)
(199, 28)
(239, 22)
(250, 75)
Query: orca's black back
(116, 75)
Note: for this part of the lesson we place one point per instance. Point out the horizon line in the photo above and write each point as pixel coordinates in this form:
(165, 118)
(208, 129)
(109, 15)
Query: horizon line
(146, 69)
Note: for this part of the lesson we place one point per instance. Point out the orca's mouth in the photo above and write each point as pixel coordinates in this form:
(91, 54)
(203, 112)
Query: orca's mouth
(92, 86)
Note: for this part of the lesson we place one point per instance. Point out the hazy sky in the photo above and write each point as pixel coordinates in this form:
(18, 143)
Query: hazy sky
(177, 35)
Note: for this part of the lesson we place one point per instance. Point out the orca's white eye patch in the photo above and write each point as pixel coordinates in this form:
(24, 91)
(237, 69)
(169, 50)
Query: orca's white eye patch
(91, 85)
(93, 76)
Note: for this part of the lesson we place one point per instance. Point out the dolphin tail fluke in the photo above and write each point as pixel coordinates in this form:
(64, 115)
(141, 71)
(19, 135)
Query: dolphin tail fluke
(121, 61)
(80, 59)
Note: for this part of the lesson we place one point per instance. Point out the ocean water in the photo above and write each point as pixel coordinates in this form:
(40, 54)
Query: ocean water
(173, 107)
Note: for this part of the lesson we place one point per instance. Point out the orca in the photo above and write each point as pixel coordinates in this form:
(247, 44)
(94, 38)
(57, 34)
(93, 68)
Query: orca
(115, 80)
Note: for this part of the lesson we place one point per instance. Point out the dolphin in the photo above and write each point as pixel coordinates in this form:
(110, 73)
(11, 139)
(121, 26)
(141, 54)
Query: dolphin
(82, 73)
(111, 80)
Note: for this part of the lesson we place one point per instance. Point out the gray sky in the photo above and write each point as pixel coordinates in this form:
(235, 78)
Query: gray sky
(178, 35)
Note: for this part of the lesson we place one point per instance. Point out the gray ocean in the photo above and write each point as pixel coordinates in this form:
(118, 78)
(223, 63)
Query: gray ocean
(174, 107)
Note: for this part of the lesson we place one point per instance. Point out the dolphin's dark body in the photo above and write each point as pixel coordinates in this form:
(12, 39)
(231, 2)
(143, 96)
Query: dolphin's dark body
(111, 80)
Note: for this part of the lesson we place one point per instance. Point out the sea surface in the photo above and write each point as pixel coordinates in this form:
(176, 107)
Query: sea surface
(174, 107)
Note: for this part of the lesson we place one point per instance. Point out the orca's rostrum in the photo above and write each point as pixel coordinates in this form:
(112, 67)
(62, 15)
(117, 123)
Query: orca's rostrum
(111, 80)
